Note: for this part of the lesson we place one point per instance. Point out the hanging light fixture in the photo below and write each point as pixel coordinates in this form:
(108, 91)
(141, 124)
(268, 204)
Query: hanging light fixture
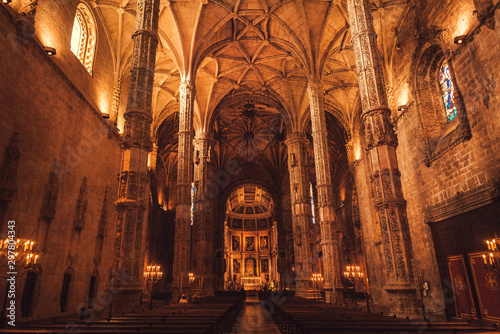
(6, 2)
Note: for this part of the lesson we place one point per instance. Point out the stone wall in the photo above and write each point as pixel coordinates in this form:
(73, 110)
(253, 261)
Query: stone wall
(60, 135)
(466, 165)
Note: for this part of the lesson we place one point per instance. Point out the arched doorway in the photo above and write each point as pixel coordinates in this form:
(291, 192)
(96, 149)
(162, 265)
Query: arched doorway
(251, 240)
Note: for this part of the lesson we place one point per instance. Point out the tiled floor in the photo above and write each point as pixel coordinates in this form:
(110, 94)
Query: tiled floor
(254, 319)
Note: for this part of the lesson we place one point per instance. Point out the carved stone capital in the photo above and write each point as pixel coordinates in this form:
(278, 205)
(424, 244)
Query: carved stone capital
(28, 10)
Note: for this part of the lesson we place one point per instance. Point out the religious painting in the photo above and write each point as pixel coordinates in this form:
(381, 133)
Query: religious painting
(236, 266)
(236, 243)
(250, 267)
(264, 243)
(264, 265)
(250, 244)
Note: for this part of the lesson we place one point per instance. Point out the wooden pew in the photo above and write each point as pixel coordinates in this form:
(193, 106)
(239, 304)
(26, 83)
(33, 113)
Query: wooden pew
(211, 316)
(295, 315)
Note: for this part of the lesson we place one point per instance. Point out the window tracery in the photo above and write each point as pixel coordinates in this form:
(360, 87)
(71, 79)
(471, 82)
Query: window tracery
(84, 36)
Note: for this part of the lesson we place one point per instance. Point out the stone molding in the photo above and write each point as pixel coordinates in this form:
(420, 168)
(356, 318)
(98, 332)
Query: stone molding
(463, 202)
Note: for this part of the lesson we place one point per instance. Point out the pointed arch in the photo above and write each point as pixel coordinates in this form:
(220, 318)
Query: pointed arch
(84, 36)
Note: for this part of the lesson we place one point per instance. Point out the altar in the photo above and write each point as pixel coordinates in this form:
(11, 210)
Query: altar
(251, 283)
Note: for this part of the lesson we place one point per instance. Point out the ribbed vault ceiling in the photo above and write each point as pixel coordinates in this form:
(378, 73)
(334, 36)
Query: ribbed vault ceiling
(234, 47)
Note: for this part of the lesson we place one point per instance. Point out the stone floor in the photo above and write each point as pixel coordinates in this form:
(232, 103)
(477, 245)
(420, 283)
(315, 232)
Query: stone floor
(254, 319)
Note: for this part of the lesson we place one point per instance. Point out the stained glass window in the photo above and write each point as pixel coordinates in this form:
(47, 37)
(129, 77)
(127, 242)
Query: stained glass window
(447, 91)
(83, 37)
(192, 203)
(312, 203)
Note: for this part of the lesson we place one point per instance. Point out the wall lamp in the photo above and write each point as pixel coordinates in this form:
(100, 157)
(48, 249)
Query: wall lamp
(6, 1)
(459, 39)
(50, 50)
(402, 107)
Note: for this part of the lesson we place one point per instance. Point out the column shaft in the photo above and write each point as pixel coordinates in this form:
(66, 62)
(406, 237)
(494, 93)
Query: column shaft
(203, 222)
(381, 141)
(133, 193)
(115, 103)
(301, 212)
(184, 180)
(330, 235)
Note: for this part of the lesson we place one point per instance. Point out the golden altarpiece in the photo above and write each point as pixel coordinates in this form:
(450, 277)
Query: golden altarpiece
(250, 235)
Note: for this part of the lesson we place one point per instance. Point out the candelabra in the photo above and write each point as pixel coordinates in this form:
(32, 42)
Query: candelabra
(20, 255)
(492, 258)
(316, 279)
(353, 272)
(191, 277)
(152, 274)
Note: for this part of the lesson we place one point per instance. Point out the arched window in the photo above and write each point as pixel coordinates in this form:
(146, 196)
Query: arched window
(441, 109)
(447, 91)
(83, 38)
(192, 203)
(311, 193)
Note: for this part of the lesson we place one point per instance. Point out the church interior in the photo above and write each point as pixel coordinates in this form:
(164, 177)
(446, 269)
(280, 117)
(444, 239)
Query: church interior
(233, 166)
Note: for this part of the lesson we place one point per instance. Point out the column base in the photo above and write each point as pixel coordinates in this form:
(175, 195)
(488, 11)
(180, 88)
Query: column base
(403, 300)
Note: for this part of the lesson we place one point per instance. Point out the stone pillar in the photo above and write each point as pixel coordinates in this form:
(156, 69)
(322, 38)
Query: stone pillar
(26, 21)
(184, 179)
(115, 104)
(330, 233)
(381, 141)
(203, 220)
(133, 196)
(301, 212)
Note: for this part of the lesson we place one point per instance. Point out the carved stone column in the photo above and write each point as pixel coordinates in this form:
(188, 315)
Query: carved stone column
(26, 22)
(184, 179)
(330, 233)
(381, 141)
(133, 193)
(115, 103)
(203, 221)
(301, 212)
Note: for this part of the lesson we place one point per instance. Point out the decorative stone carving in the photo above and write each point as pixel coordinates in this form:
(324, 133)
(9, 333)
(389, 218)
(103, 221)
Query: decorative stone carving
(382, 142)
(28, 8)
(485, 11)
(26, 22)
(81, 207)
(136, 144)
(301, 211)
(115, 103)
(463, 202)
(9, 170)
(101, 226)
(203, 214)
(330, 235)
(184, 180)
(49, 200)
